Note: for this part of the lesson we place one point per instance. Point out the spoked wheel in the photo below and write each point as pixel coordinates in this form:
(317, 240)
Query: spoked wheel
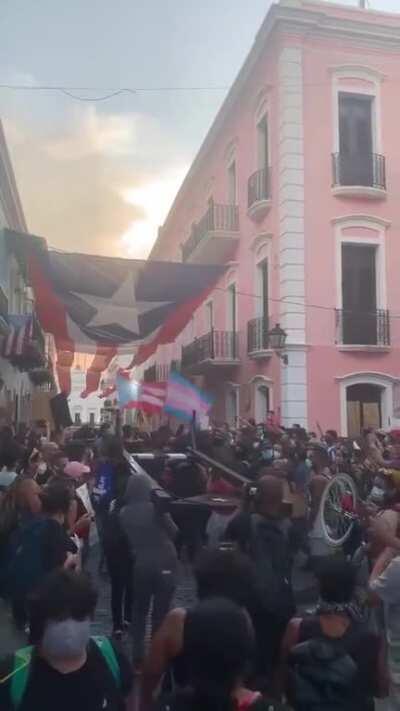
(338, 509)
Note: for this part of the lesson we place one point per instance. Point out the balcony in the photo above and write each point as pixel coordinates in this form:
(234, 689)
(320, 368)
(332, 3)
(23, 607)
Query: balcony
(359, 176)
(258, 345)
(363, 331)
(214, 238)
(43, 377)
(259, 194)
(162, 373)
(28, 349)
(217, 348)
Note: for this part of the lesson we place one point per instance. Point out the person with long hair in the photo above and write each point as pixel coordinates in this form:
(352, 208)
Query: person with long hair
(218, 573)
(219, 640)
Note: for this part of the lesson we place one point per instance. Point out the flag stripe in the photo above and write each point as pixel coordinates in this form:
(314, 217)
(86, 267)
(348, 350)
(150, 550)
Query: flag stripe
(51, 311)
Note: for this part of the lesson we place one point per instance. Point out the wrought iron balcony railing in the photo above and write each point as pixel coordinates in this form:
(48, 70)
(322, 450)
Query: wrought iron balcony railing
(364, 169)
(215, 346)
(218, 218)
(258, 187)
(363, 328)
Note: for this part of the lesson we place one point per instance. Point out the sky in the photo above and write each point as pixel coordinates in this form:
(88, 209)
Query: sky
(99, 177)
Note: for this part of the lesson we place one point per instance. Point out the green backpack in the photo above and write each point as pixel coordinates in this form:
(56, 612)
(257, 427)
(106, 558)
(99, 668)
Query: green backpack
(22, 663)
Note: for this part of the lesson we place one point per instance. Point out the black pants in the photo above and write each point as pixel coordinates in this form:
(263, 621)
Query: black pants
(152, 586)
(120, 569)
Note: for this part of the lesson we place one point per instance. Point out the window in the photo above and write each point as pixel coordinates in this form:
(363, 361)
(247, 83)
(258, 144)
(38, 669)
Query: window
(356, 139)
(262, 144)
(359, 294)
(231, 320)
(77, 418)
(92, 418)
(209, 316)
(262, 289)
(232, 197)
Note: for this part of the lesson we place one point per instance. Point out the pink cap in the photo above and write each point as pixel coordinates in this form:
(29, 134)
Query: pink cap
(76, 470)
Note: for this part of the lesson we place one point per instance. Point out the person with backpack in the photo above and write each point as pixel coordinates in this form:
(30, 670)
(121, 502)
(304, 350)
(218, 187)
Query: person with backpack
(265, 536)
(37, 548)
(331, 661)
(218, 640)
(64, 668)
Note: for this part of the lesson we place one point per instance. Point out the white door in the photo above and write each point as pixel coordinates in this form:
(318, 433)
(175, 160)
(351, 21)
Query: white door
(261, 404)
(232, 406)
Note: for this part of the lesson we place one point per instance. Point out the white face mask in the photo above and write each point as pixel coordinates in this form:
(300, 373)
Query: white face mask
(67, 639)
(42, 468)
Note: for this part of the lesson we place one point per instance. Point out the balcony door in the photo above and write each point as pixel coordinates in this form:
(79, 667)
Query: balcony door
(356, 145)
(232, 405)
(262, 144)
(232, 184)
(262, 306)
(231, 321)
(359, 294)
(261, 403)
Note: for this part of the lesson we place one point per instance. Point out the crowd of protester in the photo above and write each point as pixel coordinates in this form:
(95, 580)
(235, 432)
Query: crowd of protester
(246, 643)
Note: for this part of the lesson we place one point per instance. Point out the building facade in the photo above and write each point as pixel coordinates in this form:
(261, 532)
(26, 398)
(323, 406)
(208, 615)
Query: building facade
(83, 410)
(295, 190)
(24, 367)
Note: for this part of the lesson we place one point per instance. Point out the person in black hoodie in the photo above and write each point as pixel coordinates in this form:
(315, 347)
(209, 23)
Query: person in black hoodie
(265, 536)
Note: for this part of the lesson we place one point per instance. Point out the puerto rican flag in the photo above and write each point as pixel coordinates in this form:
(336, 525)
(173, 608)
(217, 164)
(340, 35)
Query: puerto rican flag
(19, 336)
(108, 306)
(149, 397)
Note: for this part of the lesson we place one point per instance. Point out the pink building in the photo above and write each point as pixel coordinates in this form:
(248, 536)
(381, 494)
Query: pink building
(296, 190)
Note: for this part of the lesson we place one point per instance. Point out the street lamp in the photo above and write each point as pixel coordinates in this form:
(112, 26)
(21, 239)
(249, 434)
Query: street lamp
(277, 340)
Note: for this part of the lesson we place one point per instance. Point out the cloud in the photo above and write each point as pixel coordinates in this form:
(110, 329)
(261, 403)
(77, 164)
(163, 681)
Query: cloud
(154, 198)
(92, 183)
(94, 134)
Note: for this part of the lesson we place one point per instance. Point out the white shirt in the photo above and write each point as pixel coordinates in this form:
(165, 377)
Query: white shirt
(6, 478)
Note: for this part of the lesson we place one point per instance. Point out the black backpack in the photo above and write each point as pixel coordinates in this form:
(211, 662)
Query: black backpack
(322, 676)
(268, 547)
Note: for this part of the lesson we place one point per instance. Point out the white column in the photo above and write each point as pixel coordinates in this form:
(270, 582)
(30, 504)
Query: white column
(291, 235)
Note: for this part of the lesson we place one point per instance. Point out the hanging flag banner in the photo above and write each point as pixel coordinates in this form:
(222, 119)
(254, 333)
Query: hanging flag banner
(183, 399)
(105, 305)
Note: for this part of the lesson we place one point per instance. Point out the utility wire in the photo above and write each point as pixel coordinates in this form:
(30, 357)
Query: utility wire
(107, 93)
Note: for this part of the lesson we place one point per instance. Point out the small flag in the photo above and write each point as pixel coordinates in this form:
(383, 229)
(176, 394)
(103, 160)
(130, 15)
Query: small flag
(149, 397)
(183, 398)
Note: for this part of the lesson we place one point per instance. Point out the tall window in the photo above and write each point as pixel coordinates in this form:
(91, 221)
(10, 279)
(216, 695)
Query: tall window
(262, 289)
(356, 142)
(92, 418)
(359, 294)
(231, 320)
(232, 405)
(209, 316)
(232, 196)
(262, 144)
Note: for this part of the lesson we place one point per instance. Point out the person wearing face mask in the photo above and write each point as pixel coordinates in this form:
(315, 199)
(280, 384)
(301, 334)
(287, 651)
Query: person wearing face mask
(37, 548)
(65, 668)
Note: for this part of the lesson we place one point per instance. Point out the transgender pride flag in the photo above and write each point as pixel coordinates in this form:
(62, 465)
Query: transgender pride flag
(184, 398)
